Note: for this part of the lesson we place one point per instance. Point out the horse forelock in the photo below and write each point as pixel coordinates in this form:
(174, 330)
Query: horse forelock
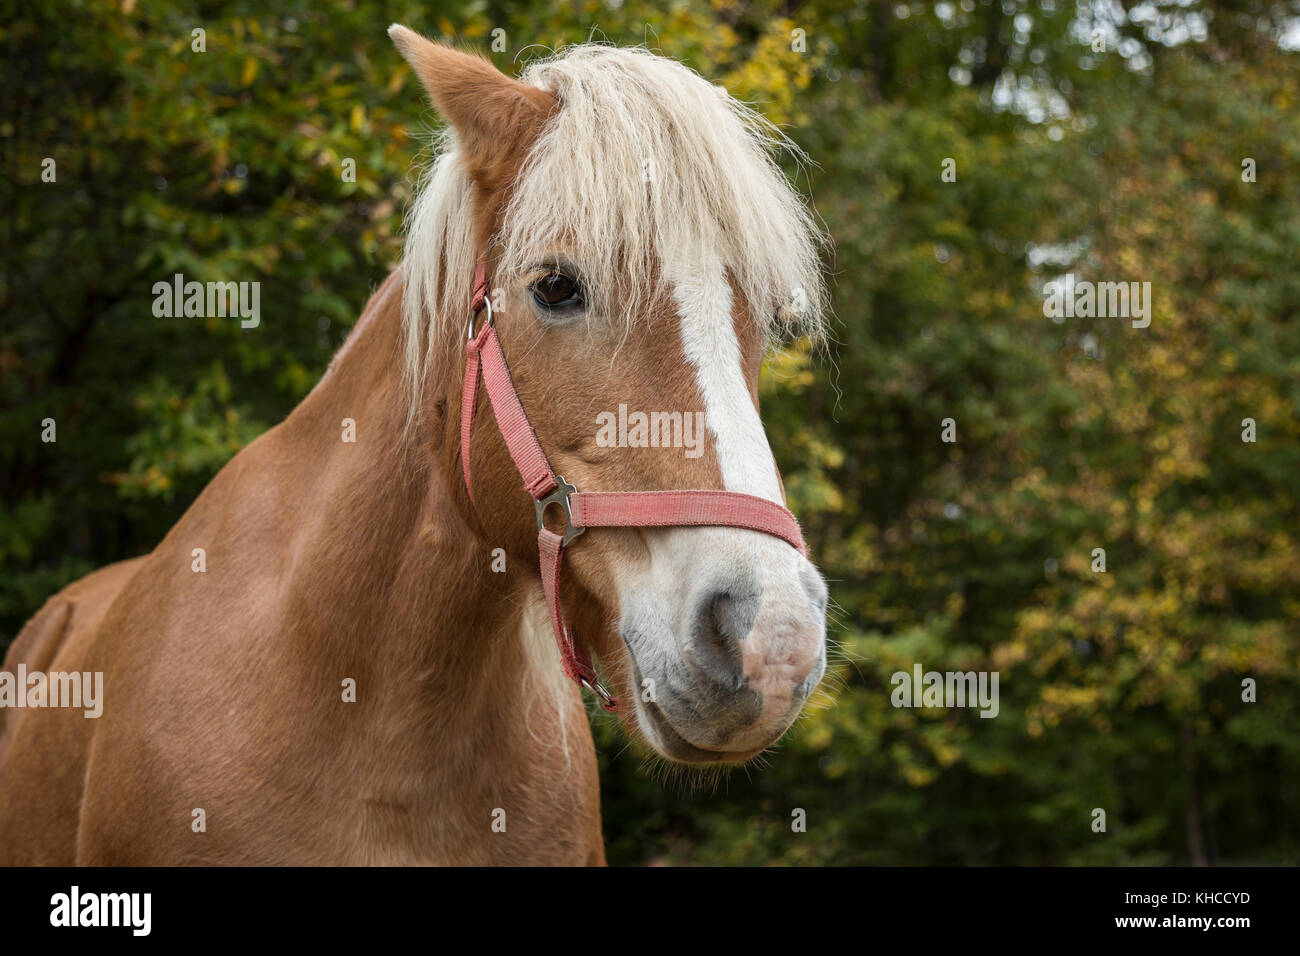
(645, 167)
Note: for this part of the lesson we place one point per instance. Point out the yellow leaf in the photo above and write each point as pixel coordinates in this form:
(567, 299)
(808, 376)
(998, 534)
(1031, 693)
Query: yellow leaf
(357, 118)
(250, 71)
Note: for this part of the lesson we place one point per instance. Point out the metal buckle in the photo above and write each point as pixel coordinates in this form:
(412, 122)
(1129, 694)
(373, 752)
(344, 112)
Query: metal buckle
(560, 496)
(487, 304)
(606, 698)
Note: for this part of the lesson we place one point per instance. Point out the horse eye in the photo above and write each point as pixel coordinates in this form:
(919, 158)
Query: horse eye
(555, 292)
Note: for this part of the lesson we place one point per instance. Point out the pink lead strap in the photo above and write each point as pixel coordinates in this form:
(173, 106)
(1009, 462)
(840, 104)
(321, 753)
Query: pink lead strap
(485, 359)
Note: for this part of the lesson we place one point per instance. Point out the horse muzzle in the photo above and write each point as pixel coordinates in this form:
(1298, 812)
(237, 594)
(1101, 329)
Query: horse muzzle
(725, 675)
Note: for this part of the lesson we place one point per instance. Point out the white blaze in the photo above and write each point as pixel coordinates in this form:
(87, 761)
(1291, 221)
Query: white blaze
(703, 298)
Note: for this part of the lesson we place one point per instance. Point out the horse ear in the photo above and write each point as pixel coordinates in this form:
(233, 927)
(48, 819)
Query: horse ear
(489, 110)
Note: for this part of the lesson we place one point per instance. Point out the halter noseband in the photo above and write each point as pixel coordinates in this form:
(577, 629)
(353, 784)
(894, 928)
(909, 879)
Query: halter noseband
(592, 509)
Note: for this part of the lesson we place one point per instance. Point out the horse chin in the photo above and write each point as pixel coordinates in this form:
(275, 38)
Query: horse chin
(667, 742)
(653, 725)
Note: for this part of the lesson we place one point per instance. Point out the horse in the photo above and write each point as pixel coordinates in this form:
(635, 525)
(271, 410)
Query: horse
(349, 649)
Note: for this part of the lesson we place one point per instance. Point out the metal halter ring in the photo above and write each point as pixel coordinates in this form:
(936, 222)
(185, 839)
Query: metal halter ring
(487, 304)
(560, 496)
(606, 698)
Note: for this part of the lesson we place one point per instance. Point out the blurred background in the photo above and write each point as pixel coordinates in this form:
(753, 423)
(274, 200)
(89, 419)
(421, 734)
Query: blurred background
(1108, 140)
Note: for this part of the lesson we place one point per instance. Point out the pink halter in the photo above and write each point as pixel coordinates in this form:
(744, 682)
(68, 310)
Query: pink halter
(592, 509)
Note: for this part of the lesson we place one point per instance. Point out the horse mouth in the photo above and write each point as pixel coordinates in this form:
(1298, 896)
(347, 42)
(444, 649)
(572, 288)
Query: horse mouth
(676, 747)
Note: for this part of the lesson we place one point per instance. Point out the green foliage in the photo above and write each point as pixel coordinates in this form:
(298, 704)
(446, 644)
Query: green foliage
(1119, 690)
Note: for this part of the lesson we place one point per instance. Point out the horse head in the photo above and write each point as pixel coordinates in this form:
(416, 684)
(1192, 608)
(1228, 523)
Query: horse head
(643, 249)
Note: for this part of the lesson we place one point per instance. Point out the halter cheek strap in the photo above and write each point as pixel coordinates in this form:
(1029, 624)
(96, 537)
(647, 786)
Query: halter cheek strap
(486, 360)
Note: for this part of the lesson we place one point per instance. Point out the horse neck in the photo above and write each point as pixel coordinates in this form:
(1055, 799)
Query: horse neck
(410, 599)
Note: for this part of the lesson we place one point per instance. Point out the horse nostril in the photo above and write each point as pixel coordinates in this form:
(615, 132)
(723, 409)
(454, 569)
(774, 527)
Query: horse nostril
(721, 617)
(731, 615)
(722, 620)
